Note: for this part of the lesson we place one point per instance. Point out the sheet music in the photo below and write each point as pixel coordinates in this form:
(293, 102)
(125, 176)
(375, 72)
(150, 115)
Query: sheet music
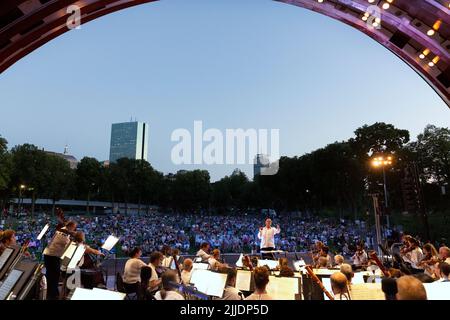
(358, 278)
(108, 295)
(200, 266)
(324, 272)
(69, 251)
(43, 232)
(299, 264)
(239, 263)
(272, 264)
(208, 282)
(438, 290)
(110, 242)
(243, 280)
(283, 288)
(327, 284)
(5, 256)
(367, 291)
(96, 294)
(76, 257)
(9, 283)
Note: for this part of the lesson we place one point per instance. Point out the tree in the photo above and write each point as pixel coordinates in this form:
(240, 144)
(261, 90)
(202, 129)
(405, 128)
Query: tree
(378, 138)
(5, 164)
(432, 151)
(58, 177)
(191, 190)
(5, 172)
(29, 169)
(121, 179)
(88, 178)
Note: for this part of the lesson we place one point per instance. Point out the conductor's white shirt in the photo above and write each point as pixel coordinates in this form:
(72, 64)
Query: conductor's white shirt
(267, 237)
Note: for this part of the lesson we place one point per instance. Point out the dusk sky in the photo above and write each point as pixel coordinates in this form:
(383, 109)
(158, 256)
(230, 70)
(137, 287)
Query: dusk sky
(232, 64)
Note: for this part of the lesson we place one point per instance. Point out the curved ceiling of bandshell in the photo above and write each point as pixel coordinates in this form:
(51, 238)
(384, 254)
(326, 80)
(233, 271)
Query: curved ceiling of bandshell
(417, 31)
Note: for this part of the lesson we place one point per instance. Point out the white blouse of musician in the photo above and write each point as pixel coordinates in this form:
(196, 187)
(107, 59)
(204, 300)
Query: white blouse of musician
(258, 296)
(213, 264)
(360, 259)
(170, 295)
(57, 245)
(414, 257)
(186, 277)
(203, 255)
(132, 272)
(267, 237)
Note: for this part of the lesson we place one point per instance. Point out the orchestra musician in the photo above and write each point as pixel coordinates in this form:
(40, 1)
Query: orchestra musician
(444, 254)
(7, 239)
(231, 292)
(444, 272)
(360, 258)
(283, 267)
(132, 272)
(168, 292)
(261, 278)
(267, 236)
(155, 262)
(338, 261)
(430, 259)
(214, 261)
(167, 253)
(323, 263)
(413, 255)
(315, 252)
(186, 273)
(324, 252)
(203, 252)
(88, 263)
(347, 270)
(52, 257)
(405, 248)
(339, 285)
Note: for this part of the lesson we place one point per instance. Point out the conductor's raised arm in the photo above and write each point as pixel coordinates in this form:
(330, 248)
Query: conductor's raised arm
(260, 233)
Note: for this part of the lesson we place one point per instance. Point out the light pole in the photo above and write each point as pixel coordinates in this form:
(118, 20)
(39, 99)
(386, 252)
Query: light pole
(21, 188)
(383, 162)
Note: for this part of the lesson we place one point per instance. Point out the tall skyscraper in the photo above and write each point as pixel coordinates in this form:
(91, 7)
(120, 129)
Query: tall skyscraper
(129, 140)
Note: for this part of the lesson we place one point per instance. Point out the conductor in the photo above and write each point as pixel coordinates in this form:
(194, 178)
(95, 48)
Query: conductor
(267, 236)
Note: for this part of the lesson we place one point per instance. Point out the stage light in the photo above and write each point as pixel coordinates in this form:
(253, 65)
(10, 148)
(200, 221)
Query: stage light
(433, 62)
(424, 54)
(435, 28)
(386, 6)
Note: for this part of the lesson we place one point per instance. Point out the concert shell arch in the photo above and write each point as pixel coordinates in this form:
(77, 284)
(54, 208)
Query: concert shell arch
(417, 31)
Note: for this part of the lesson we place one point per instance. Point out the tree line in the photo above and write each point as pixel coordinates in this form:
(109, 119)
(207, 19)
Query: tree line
(337, 178)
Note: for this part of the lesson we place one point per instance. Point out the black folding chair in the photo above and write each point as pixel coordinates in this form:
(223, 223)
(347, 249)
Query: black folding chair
(131, 290)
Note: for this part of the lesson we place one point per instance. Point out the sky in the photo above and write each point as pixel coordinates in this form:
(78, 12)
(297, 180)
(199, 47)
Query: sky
(232, 64)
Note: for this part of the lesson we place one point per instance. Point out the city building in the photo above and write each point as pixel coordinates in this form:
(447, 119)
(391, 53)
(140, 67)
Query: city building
(73, 162)
(129, 140)
(261, 162)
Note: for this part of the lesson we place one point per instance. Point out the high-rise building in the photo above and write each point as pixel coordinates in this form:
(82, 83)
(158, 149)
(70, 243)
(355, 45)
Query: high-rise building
(129, 140)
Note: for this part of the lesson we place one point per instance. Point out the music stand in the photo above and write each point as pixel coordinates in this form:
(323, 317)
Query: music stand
(43, 232)
(110, 243)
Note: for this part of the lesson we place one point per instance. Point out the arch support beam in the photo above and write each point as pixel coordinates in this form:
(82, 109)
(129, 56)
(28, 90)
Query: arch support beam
(417, 31)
